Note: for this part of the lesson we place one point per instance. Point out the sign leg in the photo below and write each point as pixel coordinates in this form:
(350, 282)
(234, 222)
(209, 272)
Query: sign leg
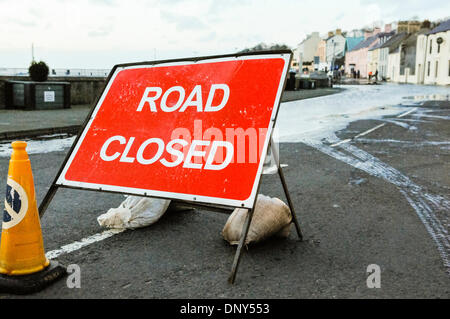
(291, 205)
(237, 256)
(276, 157)
(47, 199)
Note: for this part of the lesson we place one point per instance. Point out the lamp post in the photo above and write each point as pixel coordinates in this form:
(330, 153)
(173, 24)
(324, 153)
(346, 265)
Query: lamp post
(333, 59)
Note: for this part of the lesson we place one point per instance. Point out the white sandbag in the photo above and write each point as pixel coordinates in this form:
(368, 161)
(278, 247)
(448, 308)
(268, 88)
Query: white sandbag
(270, 217)
(134, 212)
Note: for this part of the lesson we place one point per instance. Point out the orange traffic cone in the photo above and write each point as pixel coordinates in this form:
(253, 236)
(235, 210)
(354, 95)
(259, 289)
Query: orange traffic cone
(23, 265)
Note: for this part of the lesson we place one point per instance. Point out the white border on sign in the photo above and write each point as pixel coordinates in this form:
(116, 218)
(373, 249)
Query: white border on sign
(247, 203)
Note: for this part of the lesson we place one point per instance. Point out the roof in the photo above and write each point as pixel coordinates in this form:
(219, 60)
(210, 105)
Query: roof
(377, 46)
(334, 35)
(443, 27)
(352, 42)
(369, 41)
(365, 43)
(394, 41)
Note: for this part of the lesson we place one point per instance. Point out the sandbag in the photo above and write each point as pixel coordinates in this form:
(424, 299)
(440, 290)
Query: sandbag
(270, 217)
(134, 212)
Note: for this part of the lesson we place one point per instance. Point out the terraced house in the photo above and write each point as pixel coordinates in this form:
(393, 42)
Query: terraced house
(374, 54)
(389, 58)
(437, 67)
(358, 58)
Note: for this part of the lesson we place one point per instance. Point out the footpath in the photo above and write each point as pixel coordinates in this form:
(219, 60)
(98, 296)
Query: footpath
(19, 124)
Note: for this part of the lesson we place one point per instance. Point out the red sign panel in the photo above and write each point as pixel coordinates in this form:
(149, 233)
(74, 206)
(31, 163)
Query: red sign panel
(195, 131)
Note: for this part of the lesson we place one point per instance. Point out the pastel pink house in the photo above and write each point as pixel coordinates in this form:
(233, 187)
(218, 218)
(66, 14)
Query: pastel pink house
(357, 58)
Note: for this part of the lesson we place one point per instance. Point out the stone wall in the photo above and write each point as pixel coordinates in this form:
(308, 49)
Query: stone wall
(83, 90)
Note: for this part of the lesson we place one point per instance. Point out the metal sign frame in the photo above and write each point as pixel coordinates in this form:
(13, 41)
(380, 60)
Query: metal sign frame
(191, 202)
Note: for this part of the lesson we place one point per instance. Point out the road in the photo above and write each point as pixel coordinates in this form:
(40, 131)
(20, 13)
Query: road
(380, 198)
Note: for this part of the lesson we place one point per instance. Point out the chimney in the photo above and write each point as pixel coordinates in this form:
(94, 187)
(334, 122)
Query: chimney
(413, 26)
(367, 34)
(402, 26)
(387, 28)
(338, 32)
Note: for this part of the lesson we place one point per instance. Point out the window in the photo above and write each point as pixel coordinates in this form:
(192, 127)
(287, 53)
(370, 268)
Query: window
(439, 47)
(431, 45)
(448, 67)
(428, 68)
(436, 70)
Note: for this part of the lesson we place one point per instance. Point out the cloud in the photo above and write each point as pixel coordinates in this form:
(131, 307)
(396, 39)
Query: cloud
(143, 29)
(183, 22)
(208, 37)
(104, 2)
(23, 22)
(393, 10)
(99, 33)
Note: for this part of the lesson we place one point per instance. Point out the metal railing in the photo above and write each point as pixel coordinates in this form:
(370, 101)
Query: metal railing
(58, 72)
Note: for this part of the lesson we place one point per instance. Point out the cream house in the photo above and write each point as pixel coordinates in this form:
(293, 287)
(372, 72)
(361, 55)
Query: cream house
(394, 64)
(421, 57)
(305, 51)
(335, 49)
(321, 53)
(388, 48)
(437, 62)
(374, 54)
(412, 58)
(372, 60)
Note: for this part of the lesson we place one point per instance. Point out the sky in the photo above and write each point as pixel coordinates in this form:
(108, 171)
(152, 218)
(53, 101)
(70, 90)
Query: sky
(101, 33)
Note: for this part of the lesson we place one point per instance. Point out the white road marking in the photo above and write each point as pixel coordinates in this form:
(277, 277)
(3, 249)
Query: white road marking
(83, 243)
(404, 143)
(407, 112)
(341, 142)
(372, 129)
(431, 209)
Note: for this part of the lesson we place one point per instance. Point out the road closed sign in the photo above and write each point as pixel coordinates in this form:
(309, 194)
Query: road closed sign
(187, 130)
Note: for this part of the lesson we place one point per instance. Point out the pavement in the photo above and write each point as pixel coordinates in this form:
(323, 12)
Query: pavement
(380, 198)
(23, 124)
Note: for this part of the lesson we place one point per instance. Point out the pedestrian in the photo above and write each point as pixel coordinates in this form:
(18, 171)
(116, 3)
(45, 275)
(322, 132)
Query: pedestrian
(376, 75)
(358, 74)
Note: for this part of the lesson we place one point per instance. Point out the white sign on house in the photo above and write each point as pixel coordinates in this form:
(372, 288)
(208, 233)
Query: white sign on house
(49, 96)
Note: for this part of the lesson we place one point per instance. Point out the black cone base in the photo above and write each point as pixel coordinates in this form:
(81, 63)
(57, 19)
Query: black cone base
(27, 284)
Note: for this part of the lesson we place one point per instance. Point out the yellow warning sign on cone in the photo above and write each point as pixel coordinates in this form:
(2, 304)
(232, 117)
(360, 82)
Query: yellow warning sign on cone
(22, 247)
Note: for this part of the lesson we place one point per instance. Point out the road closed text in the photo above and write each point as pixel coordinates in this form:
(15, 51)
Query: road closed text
(155, 97)
(195, 150)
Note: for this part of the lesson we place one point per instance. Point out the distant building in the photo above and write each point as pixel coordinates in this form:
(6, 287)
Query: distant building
(335, 49)
(321, 53)
(412, 58)
(437, 68)
(358, 58)
(421, 55)
(408, 26)
(374, 54)
(306, 50)
(351, 42)
(296, 59)
(388, 57)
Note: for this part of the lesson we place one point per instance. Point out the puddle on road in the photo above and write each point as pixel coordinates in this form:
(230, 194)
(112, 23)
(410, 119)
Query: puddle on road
(41, 144)
(429, 97)
(316, 118)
